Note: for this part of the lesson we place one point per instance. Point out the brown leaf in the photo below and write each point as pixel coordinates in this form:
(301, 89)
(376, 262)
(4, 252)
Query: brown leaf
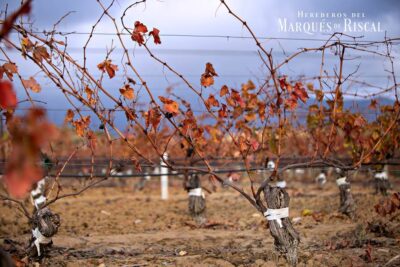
(9, 69)
(127, 92)
(153, 117)
(32, 84)
(250, 117)
(300, 91)
(106, 65)
(207, 78)
(90, 95)
(40, 53)
(69, 116)
(170, 105)
(224, 91)
(222, 113)
(212, 102)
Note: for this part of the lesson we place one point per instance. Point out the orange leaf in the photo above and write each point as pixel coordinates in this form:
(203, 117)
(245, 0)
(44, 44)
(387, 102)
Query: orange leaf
(40, 53)
(222, 113)
(127, 92)
(250, 117)
(106, 65)
(32, 84)
(207, 78)
(69, 116)
(300, 91)
(8, 99)
(9, 69)
(170, 105)
(153, 117)
(212, 102)
(224, 91)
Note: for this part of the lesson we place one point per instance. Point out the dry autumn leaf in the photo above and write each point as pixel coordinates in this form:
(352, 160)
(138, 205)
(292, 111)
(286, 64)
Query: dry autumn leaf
(170, 105)
(224, 91)
(153, 117)
(107, 66)
(138, 33)
(40, 53)
(69, 116)
(207, 78)
(32, 84)
(9, 69)
(155, 33)
(127, 92)
(212, 102)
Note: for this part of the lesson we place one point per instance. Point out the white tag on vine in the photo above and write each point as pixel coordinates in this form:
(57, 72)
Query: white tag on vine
(277, 215)
(381, 176)
(39, 239)
(341, 181)
(197, 192)
(281, 184)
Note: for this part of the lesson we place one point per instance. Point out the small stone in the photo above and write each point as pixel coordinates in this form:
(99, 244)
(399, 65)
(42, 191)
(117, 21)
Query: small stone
(182, 253)
(105, 212)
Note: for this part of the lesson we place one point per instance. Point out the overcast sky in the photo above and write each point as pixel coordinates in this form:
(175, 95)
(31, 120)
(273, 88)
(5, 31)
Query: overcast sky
(235, 60)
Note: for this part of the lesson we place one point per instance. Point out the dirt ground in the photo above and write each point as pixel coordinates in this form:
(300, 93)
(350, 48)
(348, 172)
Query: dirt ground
(115, 226)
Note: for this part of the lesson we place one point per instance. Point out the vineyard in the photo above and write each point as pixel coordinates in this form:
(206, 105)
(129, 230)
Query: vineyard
(293, 163)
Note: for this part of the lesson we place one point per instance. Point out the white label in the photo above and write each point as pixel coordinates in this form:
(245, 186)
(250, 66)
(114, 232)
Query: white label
(281, 184)
(196, 192)
(341, 181)
(277, 215)
(381, 175)
(39, 239)
(40, 201)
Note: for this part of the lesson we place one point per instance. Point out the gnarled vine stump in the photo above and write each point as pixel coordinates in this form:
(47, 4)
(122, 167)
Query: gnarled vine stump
(45, 225)
(347, 204)
(285, 236)
(197, 201)
(381, 182)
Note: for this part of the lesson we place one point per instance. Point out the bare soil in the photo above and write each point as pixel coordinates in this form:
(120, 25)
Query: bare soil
(115, 226)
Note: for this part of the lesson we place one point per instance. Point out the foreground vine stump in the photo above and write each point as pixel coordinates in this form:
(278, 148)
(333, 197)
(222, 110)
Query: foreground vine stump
(381, 180)
(285, 236)
(45, 225)
(197, 201)
(347, 204)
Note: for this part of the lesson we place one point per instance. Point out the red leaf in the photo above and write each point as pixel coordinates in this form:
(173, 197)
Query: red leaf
(8, 99)
(155, 33)
(138, 33)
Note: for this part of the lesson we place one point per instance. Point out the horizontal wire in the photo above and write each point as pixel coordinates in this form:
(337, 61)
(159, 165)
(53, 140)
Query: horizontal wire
(214, 36)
